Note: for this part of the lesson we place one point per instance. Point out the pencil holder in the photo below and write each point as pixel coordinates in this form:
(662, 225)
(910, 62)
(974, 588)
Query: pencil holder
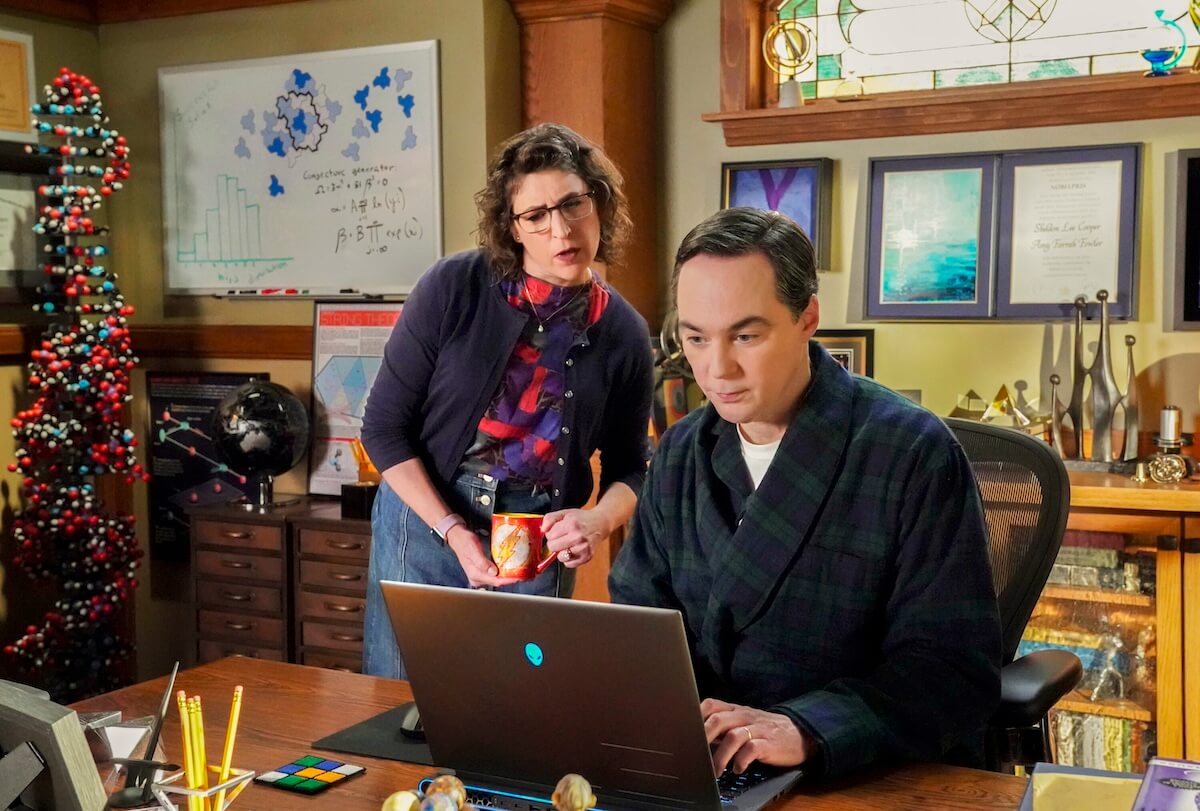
(230, 789)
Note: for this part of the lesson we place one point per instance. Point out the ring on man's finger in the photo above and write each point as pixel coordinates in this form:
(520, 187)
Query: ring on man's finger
(749, 734)
(568, 555)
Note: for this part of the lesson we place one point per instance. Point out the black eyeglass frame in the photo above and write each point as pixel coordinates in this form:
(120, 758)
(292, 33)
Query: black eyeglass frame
(549, 211)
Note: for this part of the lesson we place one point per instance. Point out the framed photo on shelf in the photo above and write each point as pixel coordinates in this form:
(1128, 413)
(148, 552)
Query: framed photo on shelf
(1182, 292)
(930, 237)
(853, 348)
(801, 189)
(20, 175)
(1067, 226)
(17, 93)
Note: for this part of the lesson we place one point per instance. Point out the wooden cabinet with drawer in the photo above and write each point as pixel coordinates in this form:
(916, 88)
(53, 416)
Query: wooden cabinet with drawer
(240, 572)
(330, 557)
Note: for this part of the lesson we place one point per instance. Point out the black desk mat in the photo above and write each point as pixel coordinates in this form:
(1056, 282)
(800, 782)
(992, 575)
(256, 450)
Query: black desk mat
(378, 737)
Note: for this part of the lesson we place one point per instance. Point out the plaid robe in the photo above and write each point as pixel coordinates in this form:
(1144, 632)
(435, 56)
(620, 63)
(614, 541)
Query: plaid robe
(850, 591)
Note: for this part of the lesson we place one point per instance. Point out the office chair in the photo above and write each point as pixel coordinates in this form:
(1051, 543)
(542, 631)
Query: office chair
(1026, 496)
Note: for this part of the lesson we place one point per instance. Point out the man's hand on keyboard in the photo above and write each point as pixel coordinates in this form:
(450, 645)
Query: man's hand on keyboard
(744, 735)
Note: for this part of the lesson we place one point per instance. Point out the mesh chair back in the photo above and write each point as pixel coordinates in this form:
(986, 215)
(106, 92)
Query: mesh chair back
(1026, 496)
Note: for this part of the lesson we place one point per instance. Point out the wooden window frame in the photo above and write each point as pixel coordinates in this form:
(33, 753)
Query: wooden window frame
(748, 119)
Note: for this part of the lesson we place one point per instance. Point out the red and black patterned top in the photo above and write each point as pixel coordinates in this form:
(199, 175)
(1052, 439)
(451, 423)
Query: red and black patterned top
(517, 437)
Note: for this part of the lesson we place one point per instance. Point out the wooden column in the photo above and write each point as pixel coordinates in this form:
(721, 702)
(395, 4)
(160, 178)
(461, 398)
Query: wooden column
(589, 64)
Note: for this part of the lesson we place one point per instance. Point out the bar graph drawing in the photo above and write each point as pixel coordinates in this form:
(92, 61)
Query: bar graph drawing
(232, 231)
(315, 174)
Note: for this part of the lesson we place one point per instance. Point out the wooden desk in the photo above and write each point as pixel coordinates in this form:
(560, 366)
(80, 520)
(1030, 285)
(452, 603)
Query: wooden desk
(287, 707)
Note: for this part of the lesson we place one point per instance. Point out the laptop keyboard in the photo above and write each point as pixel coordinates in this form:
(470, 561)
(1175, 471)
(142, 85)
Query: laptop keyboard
(730, 784)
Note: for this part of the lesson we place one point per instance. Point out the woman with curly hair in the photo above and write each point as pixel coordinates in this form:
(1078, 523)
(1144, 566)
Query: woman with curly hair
(509, 366)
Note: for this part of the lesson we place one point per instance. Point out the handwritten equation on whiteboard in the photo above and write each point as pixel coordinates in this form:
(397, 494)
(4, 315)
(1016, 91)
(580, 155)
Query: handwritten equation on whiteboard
(313, 173)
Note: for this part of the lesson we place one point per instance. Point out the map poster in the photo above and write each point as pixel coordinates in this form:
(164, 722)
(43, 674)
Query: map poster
(186, 468)
(348, 342)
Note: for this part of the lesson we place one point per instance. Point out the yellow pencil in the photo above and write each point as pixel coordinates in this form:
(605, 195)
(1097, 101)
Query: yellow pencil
(189, 760)
(235, 710)
(201, 752)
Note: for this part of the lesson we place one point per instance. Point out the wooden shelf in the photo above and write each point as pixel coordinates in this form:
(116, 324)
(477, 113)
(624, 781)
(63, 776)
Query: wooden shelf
(1110, 491)
(1098, 596)
(1078, 701)
(1044, 103)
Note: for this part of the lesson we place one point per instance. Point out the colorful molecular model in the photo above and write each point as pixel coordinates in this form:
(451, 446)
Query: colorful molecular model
(72, 433)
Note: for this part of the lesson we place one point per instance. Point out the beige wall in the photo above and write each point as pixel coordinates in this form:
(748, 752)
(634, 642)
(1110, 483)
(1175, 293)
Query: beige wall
(941, 360)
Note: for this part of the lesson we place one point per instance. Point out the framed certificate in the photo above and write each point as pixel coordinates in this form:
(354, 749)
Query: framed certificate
(1067, 228)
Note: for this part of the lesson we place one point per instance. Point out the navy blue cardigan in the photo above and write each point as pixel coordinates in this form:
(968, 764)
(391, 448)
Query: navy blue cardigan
(446, 357)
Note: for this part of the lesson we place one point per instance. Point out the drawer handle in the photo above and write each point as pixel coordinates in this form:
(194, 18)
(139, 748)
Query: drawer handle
(237, 564)
(239, 653)
(347, 637)
(353, 545)
(235, 535)
(238, 597)
(345, 609)
(239, 626)
(350, 578)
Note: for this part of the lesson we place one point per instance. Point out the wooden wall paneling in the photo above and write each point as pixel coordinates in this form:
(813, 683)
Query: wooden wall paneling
(741, 66)
(589, 64)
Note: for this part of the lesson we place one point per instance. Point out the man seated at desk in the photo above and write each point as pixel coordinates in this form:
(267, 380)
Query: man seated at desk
(822, 536)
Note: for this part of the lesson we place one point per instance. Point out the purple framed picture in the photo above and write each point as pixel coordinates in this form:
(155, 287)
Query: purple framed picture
(801, 189)
(1067, 227)
(930, 237)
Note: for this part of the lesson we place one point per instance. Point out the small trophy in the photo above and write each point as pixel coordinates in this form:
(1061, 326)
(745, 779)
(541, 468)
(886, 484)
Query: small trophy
(787, 48)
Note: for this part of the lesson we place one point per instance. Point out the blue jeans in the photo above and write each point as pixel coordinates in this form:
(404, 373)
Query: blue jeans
(404, 548)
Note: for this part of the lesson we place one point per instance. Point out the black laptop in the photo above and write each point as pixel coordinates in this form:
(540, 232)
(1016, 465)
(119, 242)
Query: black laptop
(516, 691)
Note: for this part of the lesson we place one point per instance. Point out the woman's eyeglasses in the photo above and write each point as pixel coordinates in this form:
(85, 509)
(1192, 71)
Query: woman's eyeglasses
(537, 220)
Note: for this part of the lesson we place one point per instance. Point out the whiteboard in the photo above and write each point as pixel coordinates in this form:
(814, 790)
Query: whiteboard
(315, 174)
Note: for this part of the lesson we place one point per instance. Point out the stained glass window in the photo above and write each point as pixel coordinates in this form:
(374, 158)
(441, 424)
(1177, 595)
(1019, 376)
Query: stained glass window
(928, 44)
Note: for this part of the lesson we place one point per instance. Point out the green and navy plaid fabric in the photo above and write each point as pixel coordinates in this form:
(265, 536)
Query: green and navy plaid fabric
(851, 590)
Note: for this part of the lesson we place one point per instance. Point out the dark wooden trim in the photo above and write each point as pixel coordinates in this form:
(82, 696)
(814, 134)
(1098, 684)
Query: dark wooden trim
(741, 67)
(96, 12)
(254, 342)
(82, 11)
(279, 342)
(643, 13)
(1050, 102)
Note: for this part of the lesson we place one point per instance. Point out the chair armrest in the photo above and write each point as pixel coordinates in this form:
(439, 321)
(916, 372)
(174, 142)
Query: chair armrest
(1031, 685)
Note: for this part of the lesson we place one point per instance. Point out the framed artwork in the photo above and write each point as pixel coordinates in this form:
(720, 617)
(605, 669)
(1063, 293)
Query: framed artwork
(17, 92)
(1066, 228)
(930, 237)
(348, 342)
(20, 175)
(853, 348)
(801, 189)
(1182, 292)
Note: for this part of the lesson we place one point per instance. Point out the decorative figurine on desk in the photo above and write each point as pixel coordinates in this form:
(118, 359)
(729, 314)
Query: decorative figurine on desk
(1169, 464)
(1102, 401)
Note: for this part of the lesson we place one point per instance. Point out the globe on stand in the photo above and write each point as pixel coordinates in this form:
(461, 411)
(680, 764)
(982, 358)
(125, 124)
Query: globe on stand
(261, 430)
(787, 47)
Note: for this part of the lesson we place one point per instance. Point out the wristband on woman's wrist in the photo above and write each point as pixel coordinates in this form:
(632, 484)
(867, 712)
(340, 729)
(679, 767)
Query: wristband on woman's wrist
(442, 528)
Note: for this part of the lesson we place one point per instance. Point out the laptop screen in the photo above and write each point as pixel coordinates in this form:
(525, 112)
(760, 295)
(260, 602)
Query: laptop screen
(526, 689)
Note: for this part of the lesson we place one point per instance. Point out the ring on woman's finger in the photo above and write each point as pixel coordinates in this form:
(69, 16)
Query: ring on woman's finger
(568, 555)
(749, 734)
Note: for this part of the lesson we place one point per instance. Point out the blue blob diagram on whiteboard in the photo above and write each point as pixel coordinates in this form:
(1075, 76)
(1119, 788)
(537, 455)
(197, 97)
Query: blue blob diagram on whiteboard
(310, 174)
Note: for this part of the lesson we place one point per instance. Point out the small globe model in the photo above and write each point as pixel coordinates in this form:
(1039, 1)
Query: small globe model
(261, 429)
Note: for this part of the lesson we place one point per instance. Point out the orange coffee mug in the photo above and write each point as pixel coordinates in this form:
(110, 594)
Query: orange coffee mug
(517, 543)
